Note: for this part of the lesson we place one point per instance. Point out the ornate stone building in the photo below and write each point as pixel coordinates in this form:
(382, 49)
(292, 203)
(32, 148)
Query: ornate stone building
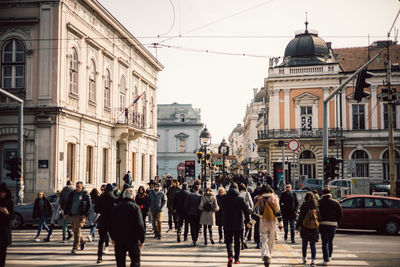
(79, 71)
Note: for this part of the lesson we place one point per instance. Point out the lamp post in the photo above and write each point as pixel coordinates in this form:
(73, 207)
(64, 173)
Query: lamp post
(224, 150)
(205, 141)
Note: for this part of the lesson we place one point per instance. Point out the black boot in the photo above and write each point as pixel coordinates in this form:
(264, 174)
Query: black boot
(205, 235)
(211, 239)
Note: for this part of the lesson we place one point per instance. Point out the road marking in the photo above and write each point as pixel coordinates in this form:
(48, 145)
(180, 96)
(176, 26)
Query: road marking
(376, 243)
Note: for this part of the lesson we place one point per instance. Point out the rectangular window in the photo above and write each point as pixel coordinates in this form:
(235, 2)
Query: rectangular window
(71, 162)
(143, 166)
(306, 118)
(182, 145)
(105, 165)
(385, 116)
(89, 165)
(358, 117)
(122, 100)
(133, 166)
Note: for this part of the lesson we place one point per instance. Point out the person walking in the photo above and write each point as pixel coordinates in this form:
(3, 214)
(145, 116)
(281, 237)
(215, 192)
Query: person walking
(55, 216)
(233, 209)
(192, 203)
(127, 230)
(219, 220)
(157, 202)
(208, 206)
(65, 192)
(142, 200)
(93, 216)
(41, 210)
(309, 228)
(250, 205)
(178, 206)
(6, 214)
(267, 207)
(289, 205)
(104, 207)
(172, 190)
(331, 214)
(78, 207)
(128, 178)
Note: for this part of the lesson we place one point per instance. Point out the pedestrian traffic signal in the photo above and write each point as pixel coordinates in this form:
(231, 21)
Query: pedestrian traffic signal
(327, 168)
(361, 84)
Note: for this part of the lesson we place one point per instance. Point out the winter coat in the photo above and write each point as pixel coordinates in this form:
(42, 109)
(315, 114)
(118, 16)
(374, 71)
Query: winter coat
(65, 192)
(84, 207)
(126, 224)
(178, 203)
(171, 195)
(330, 210)
(289, 205)
(235, 210)
(218, 214)
(248, 199)
(5, 226)
(192, 203)
(157, 200)
(307, 234)
(36, 209)
(207, 217)
(104, 207)
(143, 203)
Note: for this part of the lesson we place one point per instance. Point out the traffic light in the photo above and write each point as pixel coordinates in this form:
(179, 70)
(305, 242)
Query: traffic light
(327, 168)
(361, 84)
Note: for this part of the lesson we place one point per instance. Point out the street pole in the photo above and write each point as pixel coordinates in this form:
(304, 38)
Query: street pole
(292, 174)
(283, 164)
(392, 173)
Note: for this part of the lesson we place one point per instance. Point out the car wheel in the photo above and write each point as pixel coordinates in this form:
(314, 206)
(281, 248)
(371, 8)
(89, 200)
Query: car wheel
(392, 227)
(17, 221)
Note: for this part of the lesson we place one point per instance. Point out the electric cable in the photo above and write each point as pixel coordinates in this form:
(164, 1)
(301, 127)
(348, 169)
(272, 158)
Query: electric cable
(173, 21)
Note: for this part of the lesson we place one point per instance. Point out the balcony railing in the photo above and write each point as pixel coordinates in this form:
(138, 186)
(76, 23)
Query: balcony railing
(128, 117)
(298, 133)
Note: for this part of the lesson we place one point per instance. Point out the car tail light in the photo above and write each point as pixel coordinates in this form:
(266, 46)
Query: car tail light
(301, 185)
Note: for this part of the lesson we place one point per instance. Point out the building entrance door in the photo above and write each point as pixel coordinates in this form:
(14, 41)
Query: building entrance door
(8, 151)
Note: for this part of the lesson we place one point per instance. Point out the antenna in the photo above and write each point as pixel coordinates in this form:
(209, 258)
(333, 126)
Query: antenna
(306, 23)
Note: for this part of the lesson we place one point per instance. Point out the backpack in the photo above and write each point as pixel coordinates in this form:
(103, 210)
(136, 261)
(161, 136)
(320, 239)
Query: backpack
(310, 220)
(265, 209)
(207, 206)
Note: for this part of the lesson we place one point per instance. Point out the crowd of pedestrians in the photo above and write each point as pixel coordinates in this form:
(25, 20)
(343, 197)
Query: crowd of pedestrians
(239, 214)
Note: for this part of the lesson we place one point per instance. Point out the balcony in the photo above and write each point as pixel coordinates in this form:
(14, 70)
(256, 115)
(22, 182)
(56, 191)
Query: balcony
(129, 118)
(297, 133)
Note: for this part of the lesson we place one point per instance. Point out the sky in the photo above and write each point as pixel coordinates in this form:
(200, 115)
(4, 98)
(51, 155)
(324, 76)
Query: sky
(222, 85)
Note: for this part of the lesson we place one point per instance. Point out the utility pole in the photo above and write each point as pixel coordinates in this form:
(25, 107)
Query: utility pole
(392, 174)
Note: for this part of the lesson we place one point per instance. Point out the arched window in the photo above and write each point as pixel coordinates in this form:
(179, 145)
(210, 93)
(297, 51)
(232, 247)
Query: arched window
(92, 81)
(107, 89)
(307, 164)
(13, 64)
(122, 88)
(73, 72)
(361, 160)
(385, 164)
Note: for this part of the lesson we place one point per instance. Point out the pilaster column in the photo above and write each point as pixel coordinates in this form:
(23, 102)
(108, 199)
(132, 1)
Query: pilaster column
(374, 115)
(286, 108)
(274, 109)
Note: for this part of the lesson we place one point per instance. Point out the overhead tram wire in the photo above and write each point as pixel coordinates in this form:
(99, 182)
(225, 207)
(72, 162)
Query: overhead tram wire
(390, 30)
(173, 21)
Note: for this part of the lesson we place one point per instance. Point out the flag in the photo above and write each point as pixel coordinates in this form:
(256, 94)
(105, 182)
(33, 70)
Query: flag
(137, 99)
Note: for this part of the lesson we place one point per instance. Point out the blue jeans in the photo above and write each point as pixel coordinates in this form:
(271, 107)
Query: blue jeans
(286, 228)
(327, 235)
(313, 249)
(93, 229)
(42, 223)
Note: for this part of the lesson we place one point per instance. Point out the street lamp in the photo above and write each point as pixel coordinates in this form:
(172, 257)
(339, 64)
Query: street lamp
(224, 150)
(205, 141)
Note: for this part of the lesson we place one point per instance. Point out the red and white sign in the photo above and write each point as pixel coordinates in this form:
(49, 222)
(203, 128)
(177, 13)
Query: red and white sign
(294, 144)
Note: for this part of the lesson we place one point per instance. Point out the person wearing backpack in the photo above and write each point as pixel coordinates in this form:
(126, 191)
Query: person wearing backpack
(289, 205)
(331, 214)
(208, 206)
(268, 209)
(308, 223)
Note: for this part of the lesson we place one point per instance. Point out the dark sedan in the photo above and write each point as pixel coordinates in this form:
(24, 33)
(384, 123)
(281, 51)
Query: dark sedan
(379, 213)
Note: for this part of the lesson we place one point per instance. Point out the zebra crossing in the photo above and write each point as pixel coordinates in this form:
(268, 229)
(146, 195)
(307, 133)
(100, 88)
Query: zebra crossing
(164, 252)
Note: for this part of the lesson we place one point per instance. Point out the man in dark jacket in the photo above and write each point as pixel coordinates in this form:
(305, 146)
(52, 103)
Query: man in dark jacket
(6, 213)
(233, 208)
(178, 206)
(65, 192)
(289, 205)
(172, 190)
(331, 214)
(157, 202)
(104, 207)
(192, 203)
(127, 229)
(77, 207)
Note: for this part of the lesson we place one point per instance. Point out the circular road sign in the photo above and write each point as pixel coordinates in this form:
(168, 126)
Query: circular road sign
(294, 144)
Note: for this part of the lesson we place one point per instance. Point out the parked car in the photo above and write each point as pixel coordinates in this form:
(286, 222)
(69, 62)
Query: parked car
(379, 189)
(311, 184)
(23, 213)
(346, 183)
(371, 212)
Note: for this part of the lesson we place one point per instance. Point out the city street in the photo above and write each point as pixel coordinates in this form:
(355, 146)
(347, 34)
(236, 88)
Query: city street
(351, 248)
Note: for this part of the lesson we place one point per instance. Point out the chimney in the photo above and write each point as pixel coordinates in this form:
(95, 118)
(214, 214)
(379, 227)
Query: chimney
(255, 91)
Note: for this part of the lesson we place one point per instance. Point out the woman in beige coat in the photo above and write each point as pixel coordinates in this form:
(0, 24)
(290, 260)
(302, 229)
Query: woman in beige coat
(208, 206)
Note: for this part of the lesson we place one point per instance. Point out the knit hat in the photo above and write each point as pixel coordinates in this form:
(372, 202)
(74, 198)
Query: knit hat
(109, 187)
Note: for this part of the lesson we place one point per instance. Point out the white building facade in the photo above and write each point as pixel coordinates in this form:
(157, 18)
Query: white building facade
(79, 71)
